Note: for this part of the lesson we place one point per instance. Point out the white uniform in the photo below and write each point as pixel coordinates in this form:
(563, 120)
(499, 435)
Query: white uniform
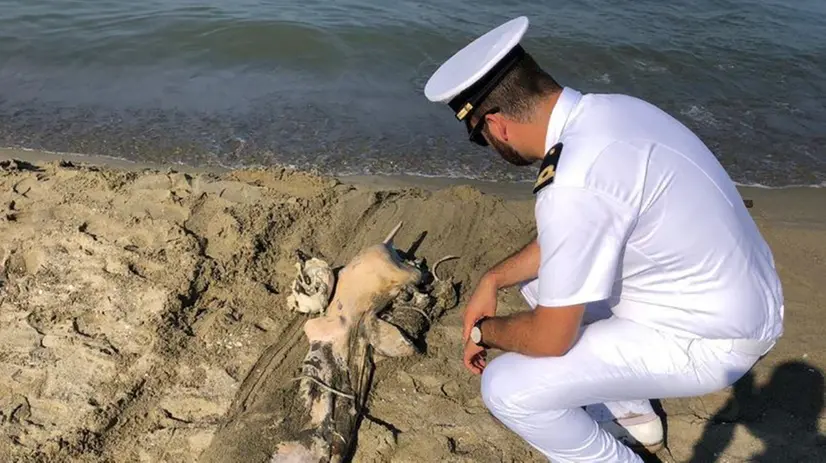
(642, 224)
(640, 219)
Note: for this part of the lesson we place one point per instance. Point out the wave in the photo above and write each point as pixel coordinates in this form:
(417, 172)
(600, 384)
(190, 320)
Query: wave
(780, 187)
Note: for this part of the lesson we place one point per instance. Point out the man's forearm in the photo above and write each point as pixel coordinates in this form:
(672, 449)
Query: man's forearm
(535, 333)
(511, 333)
(519, 267)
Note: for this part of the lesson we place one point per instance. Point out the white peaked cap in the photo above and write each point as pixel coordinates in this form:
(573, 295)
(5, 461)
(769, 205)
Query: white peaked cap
(466, 78)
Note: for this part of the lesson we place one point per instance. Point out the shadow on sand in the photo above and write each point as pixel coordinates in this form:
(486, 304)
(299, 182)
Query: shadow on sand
(783, 414)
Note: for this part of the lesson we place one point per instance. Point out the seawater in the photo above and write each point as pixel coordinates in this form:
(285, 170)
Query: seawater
(337, 85)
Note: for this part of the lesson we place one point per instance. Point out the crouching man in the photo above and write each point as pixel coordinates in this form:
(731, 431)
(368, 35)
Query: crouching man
(648, 278)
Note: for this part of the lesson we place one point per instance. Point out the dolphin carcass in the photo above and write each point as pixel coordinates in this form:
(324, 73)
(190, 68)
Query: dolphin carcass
(381, 306)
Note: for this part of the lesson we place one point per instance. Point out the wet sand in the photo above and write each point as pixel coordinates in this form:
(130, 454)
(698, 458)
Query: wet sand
(135, 300)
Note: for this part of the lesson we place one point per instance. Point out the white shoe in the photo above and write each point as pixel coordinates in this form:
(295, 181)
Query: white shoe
(644, 431)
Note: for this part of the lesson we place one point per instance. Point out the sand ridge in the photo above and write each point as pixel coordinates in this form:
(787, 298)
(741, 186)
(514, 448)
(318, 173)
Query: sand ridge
(143, 311)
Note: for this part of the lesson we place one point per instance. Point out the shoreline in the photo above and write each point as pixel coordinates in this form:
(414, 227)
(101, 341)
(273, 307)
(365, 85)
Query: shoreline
(508, 190)
(505, 190)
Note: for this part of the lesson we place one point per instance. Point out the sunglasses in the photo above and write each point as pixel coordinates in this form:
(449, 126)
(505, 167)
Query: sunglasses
(475, 133)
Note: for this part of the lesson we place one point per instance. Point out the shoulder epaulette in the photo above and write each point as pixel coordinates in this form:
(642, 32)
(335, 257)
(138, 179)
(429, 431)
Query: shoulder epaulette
(547, 170)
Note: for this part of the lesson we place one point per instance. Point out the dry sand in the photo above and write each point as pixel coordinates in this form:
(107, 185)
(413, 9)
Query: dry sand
(137, 307)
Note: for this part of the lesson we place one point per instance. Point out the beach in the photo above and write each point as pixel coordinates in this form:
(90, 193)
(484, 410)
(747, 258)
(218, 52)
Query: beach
(136, 302)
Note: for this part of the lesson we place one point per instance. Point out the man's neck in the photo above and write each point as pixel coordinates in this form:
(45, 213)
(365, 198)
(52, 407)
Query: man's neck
(535, 132)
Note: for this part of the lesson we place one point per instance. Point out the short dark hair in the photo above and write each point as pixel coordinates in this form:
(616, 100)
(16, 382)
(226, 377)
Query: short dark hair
(519, 91)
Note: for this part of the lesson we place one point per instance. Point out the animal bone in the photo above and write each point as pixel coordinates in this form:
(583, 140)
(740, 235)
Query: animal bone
(312, 286)
(436, 265)
(392, 331)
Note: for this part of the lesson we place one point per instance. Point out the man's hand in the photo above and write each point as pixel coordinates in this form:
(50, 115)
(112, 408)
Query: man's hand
(482, 303)
(475, 357)
(521, 266)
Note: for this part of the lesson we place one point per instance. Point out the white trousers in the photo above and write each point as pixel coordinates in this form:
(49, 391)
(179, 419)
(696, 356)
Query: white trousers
(614, 368)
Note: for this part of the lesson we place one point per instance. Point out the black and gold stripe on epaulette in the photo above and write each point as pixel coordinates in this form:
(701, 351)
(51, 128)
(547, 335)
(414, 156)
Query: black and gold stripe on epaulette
(547, 171)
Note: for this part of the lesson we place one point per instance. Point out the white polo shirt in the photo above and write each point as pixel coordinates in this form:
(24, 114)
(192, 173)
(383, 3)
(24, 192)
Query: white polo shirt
(642, 215)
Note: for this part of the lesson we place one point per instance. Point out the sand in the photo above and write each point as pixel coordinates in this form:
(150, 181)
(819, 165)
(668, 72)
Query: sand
(138, 307)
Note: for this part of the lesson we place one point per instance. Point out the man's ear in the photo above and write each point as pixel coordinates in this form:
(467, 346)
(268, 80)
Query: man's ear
(497, 126)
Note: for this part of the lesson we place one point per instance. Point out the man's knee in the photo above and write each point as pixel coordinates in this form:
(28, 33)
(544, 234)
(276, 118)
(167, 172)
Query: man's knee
(494, 382)
(498, 386)
(507, 391)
